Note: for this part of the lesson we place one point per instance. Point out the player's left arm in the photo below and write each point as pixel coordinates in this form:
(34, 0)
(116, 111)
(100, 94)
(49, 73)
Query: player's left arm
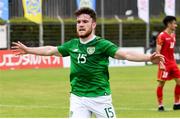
(138, 57)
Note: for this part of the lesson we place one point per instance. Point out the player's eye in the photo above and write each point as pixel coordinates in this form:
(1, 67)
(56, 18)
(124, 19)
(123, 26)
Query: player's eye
(85, 21)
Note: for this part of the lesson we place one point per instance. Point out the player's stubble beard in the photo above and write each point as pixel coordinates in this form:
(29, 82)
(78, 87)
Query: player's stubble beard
(86, 34)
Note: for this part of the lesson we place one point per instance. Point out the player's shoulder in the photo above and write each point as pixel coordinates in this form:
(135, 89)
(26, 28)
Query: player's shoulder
(73, 40)
(162, 35)
(102, 40)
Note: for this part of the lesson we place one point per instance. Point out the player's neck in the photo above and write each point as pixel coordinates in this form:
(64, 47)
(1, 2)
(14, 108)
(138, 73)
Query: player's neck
(169, 31)
(88, 39)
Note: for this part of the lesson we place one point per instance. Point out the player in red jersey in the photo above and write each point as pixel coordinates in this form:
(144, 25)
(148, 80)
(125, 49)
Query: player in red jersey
(169, 70)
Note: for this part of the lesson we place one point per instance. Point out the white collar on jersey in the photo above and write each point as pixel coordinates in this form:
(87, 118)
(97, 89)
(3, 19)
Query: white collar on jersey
(85, 42)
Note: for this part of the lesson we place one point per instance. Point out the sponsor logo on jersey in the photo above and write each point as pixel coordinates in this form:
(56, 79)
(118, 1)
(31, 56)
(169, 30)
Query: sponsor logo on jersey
(168, 38)
(90, 50)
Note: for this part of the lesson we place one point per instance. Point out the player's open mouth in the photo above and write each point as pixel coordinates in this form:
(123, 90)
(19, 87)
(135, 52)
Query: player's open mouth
(82, 30)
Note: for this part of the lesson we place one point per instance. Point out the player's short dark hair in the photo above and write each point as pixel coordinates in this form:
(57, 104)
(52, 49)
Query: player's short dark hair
(86, 10)
(168, 19)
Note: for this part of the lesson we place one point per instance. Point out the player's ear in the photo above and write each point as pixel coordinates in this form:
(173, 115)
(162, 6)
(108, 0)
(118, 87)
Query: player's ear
(169, 24)
(94, 24)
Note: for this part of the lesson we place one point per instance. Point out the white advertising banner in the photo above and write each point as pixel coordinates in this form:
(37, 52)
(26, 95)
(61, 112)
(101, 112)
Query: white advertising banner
(3, 36)
(169, 7)
(143, 10)
(115, 62)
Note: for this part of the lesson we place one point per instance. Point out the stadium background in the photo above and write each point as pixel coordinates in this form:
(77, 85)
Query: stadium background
(133, 32)
(45, 92)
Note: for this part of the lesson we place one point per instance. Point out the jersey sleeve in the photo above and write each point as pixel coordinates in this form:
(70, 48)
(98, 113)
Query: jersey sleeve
(110, 48)
(160, 39)
(64, 49)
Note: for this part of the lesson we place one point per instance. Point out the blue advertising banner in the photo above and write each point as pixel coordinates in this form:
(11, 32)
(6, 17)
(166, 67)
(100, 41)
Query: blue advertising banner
(86, 3)
(4, 9)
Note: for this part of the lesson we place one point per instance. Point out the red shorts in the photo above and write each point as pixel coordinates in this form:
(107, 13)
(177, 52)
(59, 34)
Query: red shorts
(172, 71)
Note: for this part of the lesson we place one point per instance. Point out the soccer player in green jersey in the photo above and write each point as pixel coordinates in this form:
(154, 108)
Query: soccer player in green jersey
(89, 76)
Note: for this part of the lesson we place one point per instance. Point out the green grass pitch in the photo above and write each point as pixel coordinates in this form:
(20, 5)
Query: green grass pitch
(45, 93)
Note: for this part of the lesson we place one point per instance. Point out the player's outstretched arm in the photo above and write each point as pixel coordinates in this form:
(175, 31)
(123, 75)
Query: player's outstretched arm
(137, 57)
(19, 49)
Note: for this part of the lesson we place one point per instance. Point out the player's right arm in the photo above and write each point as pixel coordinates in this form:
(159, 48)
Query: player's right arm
(159, 43)
(158, 48)
(20, 48)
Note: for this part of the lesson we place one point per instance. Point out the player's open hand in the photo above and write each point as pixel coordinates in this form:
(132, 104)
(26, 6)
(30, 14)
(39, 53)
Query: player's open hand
(157, 58)
(19, 48)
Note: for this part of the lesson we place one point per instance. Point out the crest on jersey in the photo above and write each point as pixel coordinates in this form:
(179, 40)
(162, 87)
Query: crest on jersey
(90, 50)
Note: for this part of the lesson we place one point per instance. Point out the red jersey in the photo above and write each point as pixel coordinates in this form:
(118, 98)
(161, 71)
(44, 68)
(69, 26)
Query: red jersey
(167, 43)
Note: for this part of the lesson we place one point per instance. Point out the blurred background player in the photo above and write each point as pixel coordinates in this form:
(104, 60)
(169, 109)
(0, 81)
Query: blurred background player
(169, 70)
(89, 77)
(153, 38)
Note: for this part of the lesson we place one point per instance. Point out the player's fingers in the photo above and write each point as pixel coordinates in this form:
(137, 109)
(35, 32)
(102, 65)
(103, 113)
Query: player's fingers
(15, 50)
(21, 43)
(15, 47)
(15, 43)
(161, 57)
(158, 55)
(153, 54)
(161, 63)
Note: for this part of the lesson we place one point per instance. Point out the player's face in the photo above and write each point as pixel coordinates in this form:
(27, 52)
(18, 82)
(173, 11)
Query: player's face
(85, 25)
(172, 25)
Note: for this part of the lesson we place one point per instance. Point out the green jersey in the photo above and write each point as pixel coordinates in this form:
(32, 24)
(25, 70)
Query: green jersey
(89, 76)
